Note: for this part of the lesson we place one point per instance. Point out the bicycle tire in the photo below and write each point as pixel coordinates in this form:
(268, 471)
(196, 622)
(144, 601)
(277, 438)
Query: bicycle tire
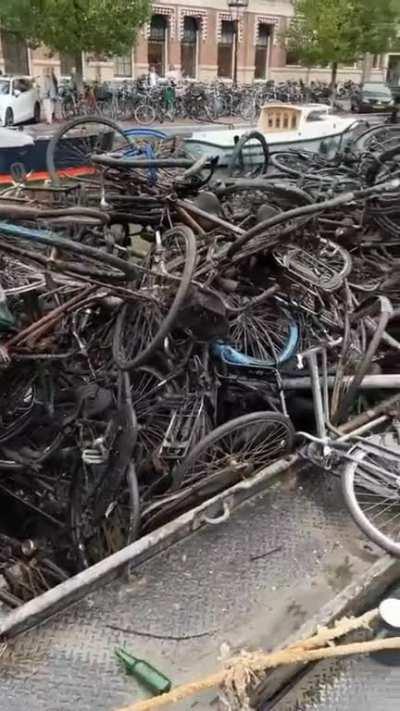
(278, 162)
(363, 140)
(140, 358)
(245, 421)
(145, 114)
(302, 271)
(250, 136)
(351, 500)
(71, 125)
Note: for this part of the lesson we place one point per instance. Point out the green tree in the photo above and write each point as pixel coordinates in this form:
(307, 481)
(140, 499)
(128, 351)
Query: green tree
(106, 27)
(329, 32)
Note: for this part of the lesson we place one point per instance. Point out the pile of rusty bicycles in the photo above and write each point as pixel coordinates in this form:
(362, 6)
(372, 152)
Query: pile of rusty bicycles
(168, 330)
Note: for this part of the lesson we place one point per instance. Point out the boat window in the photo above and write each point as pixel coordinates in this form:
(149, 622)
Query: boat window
(278, 121)
(285, 121)
(315, 116)
(270, 122)
(4, 87)
(294, 121)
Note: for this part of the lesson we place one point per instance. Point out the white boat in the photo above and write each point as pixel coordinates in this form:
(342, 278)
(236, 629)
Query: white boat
(15, 147)
(311, 127)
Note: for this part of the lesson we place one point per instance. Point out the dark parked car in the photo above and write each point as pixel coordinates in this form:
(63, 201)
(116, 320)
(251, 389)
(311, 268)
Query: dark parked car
(372, 97)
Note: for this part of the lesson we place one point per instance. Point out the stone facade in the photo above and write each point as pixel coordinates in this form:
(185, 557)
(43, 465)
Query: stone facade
(206, 51)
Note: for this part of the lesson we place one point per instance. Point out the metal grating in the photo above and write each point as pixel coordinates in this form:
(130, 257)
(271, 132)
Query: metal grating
(219, 583)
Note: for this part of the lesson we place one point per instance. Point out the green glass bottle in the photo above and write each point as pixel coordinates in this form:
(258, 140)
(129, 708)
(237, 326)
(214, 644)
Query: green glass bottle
(144, 672)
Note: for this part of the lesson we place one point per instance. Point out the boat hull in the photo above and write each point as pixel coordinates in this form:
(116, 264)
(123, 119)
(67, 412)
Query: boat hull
(70, 156)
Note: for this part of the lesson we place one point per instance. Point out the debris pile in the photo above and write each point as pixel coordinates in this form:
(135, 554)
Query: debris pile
(156, 323)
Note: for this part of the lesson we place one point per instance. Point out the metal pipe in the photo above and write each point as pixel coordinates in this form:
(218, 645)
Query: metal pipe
(317, 395)
(369, 382)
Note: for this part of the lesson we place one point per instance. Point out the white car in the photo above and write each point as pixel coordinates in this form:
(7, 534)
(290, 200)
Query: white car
(19, 100)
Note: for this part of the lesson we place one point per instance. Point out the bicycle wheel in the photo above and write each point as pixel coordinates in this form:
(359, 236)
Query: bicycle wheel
(323, 263)
(236, 450)
(145, 114)
(290, 163)
(71, 147)
(371, 489)
(261, 333)
(231, 452)
(140, 329)
(377, 138)
(152, 398)
(250, 155)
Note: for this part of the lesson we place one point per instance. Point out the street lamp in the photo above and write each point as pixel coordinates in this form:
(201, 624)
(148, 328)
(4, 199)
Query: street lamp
(237, 7)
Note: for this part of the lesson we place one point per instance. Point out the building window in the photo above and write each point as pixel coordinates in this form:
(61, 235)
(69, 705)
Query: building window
(189, 48)
(123, 65)
(67, 65)
(262, 46)
(292, 58)
(225, 49)
(15, 53)
(157, 44)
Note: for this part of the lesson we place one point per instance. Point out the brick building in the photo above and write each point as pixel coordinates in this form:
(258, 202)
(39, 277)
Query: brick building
(198, 39)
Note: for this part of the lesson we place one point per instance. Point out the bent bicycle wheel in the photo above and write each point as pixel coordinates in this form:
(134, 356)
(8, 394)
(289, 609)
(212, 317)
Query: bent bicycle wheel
(141, 328)
(262, 332)
(250, 155)
(371, 489)
(71, 147)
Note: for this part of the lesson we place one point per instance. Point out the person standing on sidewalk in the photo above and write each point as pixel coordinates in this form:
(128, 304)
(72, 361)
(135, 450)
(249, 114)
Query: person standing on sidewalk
(49, 94)
(153, 77)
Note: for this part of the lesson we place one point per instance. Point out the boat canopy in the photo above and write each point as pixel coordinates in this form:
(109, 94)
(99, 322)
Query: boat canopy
(277, 118)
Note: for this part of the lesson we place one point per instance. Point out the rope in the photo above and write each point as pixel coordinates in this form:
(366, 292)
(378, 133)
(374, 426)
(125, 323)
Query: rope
(244, 668)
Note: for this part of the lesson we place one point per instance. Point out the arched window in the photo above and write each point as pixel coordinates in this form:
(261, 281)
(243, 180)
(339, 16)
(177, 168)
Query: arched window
(189, 47)
(157, 44)
(225, 49)
(262, 47)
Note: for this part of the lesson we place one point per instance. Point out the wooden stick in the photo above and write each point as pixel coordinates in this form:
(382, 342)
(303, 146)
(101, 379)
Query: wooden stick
(258, 662)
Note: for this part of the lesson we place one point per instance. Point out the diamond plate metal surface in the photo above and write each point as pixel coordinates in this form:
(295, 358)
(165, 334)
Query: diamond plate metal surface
(221, 585)
(346, 685)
